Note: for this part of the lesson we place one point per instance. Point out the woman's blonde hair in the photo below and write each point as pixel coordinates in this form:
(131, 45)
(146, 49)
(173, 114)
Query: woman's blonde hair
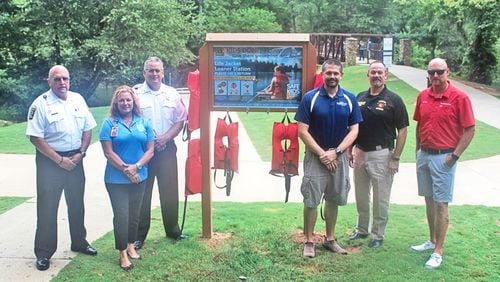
(113, 110)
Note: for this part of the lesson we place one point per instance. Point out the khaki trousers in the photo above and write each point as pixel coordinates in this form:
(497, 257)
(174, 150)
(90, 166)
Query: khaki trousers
(371, 171)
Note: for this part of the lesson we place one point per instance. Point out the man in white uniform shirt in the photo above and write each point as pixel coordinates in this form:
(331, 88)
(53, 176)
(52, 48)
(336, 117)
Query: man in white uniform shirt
(162, 105)
(60, 126)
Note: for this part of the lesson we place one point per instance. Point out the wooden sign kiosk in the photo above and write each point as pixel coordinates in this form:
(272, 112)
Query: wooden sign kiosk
(235, 69)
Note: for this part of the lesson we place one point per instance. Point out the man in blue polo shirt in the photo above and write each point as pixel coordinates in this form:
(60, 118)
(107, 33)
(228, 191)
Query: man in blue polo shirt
(328, 119)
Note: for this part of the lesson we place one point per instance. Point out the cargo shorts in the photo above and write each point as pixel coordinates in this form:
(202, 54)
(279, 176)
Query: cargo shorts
(319, 182)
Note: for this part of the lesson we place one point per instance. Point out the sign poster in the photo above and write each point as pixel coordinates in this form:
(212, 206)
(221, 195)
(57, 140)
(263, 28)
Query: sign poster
(257, 76)
(387, 52)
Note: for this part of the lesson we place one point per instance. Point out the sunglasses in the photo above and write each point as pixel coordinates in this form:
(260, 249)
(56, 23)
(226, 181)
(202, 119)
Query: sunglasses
(433, 72)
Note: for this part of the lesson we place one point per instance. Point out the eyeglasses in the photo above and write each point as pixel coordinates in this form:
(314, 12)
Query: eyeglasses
(62, 78)
(433, 72)
(153, 71)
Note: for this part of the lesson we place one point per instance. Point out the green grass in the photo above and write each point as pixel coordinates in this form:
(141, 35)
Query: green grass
(7, 203)
(13, 138)
(260, 241)
(259, 125)
(100, 114)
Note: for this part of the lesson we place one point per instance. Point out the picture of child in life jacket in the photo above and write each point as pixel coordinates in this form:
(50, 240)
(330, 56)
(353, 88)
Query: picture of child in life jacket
(278, 86)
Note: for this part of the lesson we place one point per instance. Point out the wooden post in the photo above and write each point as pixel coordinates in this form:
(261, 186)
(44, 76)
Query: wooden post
(206, 67)
(206, 195)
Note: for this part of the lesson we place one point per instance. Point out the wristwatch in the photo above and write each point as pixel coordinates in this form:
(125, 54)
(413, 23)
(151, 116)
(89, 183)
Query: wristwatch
(139, 166)
(83, 153)
(338, 151)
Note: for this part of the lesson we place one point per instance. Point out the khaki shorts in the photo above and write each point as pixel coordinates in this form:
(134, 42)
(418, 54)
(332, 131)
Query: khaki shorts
(318, 181)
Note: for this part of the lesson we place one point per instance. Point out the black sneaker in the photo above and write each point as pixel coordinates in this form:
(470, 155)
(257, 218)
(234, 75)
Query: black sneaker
(178, 237)
(356, 235)
(138, 244)
(42, 264)
(374, 243)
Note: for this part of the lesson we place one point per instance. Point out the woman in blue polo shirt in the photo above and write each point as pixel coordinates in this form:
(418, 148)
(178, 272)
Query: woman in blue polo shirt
(127, 140)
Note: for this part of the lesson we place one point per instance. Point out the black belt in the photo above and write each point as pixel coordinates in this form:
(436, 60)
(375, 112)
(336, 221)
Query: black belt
(374, 148)
(437, 151)
(68, 153)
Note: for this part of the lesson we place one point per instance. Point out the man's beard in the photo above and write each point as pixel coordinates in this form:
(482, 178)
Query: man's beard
(331, 83)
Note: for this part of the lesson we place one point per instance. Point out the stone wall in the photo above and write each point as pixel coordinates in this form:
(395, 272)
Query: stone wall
(351, 51)
(405, 51)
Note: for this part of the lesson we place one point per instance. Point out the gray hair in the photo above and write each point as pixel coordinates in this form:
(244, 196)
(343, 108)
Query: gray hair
(54, 68)
(152, 59)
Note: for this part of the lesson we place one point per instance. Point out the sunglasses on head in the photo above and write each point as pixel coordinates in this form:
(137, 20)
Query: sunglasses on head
(433, 72)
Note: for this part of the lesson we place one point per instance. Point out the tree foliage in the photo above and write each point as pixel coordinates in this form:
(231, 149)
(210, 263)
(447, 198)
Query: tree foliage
(483, 29)
(108, 40)
(239, 16)
(96, 40)
(462, 31)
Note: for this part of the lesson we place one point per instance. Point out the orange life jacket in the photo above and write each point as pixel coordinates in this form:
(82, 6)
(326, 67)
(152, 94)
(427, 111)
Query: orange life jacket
(285, 160)
(193, 168)
(226, 157)
(193, 83)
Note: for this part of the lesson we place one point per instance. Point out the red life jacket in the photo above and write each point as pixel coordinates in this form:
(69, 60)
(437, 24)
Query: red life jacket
(285, 161)
(226, 157)
(318, 80)
(193, 174)
(193, 83)
(193, 168)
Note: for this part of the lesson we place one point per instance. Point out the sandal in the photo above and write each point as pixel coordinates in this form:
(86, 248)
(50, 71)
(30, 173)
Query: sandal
(132, 257)
(126, 268)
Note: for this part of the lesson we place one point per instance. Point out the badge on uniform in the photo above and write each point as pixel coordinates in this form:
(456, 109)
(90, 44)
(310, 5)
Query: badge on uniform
(32, 112)
(381, 105)
(114, 131)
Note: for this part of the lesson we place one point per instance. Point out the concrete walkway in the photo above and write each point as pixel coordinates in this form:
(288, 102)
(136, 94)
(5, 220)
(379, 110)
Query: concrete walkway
(477, 183)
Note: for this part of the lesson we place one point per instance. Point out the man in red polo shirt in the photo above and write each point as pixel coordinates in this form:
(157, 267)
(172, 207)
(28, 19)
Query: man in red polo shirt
(445, 127)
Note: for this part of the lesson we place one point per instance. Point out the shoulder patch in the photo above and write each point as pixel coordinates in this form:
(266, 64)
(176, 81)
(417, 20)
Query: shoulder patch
(32, 112)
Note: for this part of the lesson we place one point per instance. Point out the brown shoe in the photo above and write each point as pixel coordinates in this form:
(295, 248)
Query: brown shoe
(332, 245)
(309, 250)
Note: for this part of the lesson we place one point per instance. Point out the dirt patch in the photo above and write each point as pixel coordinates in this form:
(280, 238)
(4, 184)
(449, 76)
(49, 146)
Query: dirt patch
(217, 239)
(354, 249)
(298, 237)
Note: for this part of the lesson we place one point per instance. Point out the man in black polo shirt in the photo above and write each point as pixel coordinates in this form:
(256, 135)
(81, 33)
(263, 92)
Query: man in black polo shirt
(375, 158)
